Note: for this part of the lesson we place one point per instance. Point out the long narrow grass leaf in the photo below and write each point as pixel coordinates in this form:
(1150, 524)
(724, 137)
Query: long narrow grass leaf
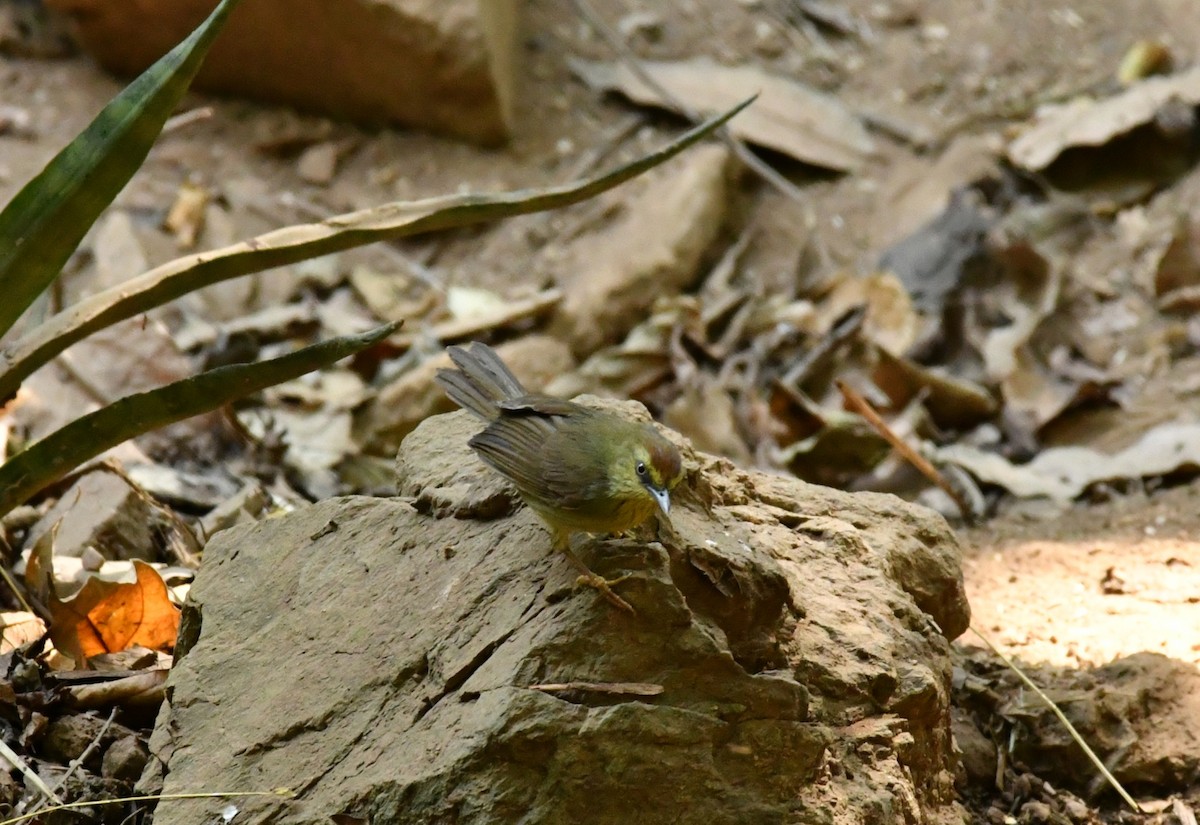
(297, 243)
(43, 463)
(44, 223)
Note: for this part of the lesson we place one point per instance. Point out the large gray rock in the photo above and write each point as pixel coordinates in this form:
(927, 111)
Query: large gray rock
(447, 66)
(390, 659)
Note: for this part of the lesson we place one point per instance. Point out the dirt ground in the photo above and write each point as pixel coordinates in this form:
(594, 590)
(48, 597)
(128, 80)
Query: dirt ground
(1064, 593)
(1070, 588)
(1093, 583)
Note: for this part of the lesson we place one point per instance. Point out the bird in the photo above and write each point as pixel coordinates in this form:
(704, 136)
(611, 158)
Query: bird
(580, 469)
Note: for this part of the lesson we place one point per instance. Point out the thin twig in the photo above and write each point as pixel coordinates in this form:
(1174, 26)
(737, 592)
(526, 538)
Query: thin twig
(1112, 780)
(756, 164)
(592, 159)
(29, 774)
(17, 590)
(861, 406)
(154, 797)
(615, 688)
(77, 763)
(306, 208)
(846, 328)
(187, 118)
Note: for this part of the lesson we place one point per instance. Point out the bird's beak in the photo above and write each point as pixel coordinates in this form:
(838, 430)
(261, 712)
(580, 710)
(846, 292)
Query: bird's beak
(663, 498)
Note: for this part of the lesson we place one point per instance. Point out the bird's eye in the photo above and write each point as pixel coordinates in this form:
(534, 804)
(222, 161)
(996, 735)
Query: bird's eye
(641, 469)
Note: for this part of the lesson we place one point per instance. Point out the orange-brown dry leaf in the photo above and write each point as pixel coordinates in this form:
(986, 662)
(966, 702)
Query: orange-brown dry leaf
(106, 617)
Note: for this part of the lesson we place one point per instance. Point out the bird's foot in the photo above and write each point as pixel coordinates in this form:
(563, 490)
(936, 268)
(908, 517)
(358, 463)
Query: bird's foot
(605, 587)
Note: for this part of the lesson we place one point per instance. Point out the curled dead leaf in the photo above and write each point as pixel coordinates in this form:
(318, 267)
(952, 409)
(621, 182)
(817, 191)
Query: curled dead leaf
(138, 690)
(105, 617)
(19, 628)
(789, 117)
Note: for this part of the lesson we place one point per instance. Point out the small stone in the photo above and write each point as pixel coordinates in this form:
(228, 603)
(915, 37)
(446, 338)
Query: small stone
(124, 760)
(653, 248)
(977, 752)
(67, 737)
(1075, 809)
(318, 164)
(91, 559)
(16, 121)
(1035, 812)
(244, 506)
(103, 512)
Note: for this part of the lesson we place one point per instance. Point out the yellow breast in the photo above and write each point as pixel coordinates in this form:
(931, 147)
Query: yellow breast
(613, 516)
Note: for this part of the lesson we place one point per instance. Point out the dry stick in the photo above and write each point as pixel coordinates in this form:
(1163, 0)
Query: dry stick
(187, 118)
(1183, 812)
(154, 797)
(616, 688)
(17, 762)
(756, 164)
(1112, 780)
(846, 328)
(17, 590)
(592, 159)
(76, 763)
(861, 406)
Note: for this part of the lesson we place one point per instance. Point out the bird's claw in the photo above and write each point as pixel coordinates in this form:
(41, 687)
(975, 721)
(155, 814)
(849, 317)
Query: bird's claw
(605, 587)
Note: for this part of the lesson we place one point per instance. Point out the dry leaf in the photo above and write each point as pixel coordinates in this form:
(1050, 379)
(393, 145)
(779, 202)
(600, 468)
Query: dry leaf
(641, 361)
(39, 575)
(788, 117)
(1062, 473)
(138, 690)
(706, 414)
(952, 401)
(917, 190)
(1144, 58)
(1179, 266)
(185, 220)
(458, 329)
(1095, 123)
(1028, 294)
(19, 628)
(105, 617)
(891, 321)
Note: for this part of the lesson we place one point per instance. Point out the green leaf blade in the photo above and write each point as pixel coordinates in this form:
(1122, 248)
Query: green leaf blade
(35, 468)
(289, 245)
(44, 223)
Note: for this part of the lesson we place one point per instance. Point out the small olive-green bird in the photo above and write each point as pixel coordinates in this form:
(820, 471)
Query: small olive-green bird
(580, 469)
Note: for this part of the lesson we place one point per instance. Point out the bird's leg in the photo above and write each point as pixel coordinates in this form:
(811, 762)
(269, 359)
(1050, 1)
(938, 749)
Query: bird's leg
(562, 543)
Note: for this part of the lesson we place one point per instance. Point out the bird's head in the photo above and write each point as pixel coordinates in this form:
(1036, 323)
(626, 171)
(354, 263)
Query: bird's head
(648, 467)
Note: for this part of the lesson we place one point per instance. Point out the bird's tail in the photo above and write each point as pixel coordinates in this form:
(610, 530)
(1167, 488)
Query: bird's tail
(480, 382)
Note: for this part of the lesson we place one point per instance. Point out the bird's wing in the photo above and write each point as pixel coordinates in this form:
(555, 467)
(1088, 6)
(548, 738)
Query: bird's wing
(526, 446)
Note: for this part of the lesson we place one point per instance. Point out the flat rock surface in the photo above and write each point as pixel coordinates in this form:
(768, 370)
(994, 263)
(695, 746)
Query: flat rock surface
(427, 659)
